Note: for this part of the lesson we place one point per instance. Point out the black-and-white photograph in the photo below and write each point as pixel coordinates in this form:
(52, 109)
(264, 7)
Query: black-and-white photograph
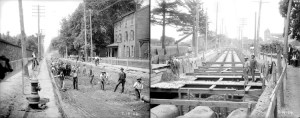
(75, 58)
(149, 58)
(225, 59)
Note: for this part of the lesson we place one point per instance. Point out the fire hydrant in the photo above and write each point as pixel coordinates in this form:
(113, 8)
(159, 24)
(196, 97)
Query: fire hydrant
(34, 98)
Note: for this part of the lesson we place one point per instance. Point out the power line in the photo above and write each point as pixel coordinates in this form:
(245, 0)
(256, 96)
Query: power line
(39, 12)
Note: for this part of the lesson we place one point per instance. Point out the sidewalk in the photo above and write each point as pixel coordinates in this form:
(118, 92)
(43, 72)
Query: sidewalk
(13, 101)
(46, 92)
(292, 93)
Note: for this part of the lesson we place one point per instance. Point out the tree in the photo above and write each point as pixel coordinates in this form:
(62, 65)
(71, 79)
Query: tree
(165, 14)
(104, 14)
(294, 26)
(169, 40)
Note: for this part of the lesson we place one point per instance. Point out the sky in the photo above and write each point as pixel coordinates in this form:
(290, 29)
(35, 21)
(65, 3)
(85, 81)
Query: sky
(55, 10)
(231, 11)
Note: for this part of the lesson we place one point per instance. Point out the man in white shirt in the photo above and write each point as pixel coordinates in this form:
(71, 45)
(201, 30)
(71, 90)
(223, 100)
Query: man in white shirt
(246, 69)
(103, 79)
(138, 87)
(75, 79)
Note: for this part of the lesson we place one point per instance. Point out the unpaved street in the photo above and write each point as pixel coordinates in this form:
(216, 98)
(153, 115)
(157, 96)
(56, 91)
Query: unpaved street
(90, 101)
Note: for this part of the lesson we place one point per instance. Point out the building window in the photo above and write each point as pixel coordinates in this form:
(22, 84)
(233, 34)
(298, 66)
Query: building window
(132, 51)
(131, 35)
(126, 35)
(128, 51)
(124, 51)
(120, 37)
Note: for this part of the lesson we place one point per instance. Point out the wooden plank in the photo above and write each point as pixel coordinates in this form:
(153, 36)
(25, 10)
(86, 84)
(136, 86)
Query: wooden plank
(203, 67)
(180, 107)
(202, 103)
(247, 88)
(255, 92)
(271, 107)
(279, 82)
(217, 69)
(220, 74)
(222, 63)
(184, 84)
(212, 86)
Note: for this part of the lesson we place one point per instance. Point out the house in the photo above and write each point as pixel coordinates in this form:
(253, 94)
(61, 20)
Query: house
(131, 35)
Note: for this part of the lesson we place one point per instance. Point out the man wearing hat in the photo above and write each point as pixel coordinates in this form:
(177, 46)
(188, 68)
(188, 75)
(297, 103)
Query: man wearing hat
(122, 77)
(246, 69)
(253, 66)
(103, 78)
(138, 86)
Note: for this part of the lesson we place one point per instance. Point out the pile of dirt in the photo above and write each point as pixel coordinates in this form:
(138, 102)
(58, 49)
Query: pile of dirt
(168, 75)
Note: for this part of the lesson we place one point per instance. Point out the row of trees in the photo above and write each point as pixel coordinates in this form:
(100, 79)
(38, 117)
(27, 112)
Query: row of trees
(31, 40)
(294, 28)
(169, 12)
(273, 47)
(104, 13)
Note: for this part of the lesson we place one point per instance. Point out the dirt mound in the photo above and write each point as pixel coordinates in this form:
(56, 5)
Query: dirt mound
(168, 76)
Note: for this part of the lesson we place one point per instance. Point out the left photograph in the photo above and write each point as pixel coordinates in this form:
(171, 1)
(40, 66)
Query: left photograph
(74, 58)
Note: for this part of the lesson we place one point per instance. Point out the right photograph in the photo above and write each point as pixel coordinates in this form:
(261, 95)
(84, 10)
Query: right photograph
(225, 59)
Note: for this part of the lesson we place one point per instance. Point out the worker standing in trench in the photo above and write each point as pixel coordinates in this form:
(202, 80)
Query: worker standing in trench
(253, 66)
(246, 67)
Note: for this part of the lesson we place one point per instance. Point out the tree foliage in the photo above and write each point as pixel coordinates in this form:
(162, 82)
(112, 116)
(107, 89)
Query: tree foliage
(175, 16)
(104, 13)
(294, 26)
(274, 47)
(31, 41)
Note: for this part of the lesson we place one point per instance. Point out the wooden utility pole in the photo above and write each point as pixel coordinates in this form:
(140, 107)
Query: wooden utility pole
(164, 27)
(196, 31)
(218, 42)
(206, 29)
(255, 38)
(66, 52)
(85, 42)
(23, 45)
(286, 33)
(39, 11)
(242, 24)
(258, 24)
(91, 29)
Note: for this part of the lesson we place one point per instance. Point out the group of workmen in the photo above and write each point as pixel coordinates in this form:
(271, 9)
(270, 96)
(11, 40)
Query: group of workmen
(64, 71)
(293, 56)
(249, 68)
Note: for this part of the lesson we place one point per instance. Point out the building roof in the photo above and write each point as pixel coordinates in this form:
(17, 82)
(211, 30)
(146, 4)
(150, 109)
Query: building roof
(124, 15)
(131, 12)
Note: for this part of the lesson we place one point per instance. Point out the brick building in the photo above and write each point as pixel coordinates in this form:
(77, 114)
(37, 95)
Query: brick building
(131, 35)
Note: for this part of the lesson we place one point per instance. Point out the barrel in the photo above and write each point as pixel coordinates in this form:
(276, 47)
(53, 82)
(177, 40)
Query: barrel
(164, 111)
(199, 112)
(238, 113)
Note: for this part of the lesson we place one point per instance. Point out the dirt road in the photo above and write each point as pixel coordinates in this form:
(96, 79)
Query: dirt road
(90, 101)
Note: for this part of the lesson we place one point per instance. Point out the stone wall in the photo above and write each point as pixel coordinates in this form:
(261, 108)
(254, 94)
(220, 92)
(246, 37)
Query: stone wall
(13, 53)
